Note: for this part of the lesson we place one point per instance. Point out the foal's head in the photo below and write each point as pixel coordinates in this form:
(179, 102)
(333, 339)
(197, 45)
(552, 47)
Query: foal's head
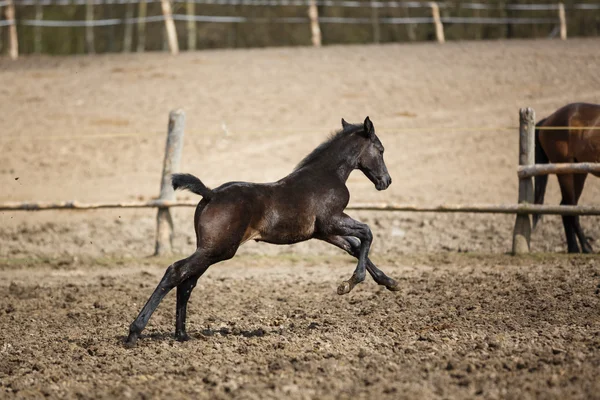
(370, 159)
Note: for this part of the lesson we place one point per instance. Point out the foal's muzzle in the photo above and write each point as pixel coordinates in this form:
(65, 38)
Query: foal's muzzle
(383, 183)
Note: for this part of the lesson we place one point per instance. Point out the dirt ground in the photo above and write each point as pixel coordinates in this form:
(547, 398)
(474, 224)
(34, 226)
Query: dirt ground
(469, 321)
(273, 327)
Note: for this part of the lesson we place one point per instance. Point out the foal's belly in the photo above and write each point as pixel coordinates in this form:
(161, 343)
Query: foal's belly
(283, 229)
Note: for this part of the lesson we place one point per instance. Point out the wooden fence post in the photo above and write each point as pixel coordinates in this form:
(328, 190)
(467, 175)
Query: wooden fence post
(563, 21)
(164, 221)
(141, 28)
(411, 29)
(109, 11)
(375, 22)
(191, 25)
(170, 26)
(439, 28)
(128, 33)
(37, 31)
(12, 30)
(89, 29)
(522, 231)
(315, 30)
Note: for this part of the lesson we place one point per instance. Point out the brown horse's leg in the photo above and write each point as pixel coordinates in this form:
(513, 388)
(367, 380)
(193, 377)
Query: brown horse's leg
(177, 273)
(184, 290)
(352, 246)
(567, 188)
(579, 182)
(346, 226)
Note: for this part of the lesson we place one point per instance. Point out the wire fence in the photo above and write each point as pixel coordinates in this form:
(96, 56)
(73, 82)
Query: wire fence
(327, 3)
(288, 20)
(190, 18)
(303, 132)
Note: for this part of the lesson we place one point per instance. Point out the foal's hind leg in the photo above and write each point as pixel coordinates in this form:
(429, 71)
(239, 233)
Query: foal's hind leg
(352, 246)
(176, 274)
(184, 290)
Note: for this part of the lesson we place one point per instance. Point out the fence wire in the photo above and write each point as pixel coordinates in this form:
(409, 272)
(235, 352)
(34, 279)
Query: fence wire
(303, 132)
(295, 20)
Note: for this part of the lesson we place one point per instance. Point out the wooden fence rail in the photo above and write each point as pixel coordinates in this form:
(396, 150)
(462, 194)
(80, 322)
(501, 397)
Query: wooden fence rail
(527, 171)
(392, 207)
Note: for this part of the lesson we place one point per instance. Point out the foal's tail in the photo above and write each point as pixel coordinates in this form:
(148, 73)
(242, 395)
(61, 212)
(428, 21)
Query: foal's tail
(541, 180)
(191, 183)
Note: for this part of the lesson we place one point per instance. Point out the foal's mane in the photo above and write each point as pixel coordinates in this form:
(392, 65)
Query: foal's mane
(328, 144)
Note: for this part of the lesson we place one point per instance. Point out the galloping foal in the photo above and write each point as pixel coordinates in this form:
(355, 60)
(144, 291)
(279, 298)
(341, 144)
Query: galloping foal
(308, 203)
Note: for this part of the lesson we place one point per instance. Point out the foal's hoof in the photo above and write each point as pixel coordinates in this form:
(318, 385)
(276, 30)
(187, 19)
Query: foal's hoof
(344, 288)
(131, 340)
(393, 286)
(182, 337)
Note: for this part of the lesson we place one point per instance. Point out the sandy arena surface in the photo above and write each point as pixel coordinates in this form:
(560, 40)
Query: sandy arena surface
(469, 321)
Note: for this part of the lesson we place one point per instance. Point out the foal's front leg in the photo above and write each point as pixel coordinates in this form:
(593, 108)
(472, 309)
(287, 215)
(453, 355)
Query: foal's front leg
(346, 226)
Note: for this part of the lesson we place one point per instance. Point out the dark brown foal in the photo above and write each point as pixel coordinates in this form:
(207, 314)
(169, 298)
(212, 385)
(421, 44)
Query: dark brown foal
(309, 203)
(580, 144)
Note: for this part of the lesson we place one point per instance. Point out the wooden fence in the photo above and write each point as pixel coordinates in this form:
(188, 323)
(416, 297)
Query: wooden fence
(522, 231)
(314, 20)
(528, 169)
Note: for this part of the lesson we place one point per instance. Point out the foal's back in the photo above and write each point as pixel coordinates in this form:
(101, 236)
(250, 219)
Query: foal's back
(281, 212)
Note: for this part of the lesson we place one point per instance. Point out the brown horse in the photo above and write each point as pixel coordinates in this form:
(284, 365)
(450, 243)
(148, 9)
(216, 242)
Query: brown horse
(568, 146)
(309, 203)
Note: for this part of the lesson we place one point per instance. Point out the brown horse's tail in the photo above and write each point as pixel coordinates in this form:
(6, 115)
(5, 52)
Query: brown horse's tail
(191, 183)
(541, 180)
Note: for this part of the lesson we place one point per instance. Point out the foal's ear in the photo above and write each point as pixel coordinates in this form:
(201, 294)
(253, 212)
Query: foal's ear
(344, 123)
(368, 127)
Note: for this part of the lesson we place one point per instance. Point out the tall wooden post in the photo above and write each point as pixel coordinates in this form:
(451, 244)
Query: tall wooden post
(522, 231)
(109, 11)
(411, 29)
(141, 28)
(128, 33)
(37, 30)
(439, 28)
(477, 27)
(164, 221)
(89, 29)
(315, 30)
(375, 22)
(191, 25)
(170, 26)
(563, 21)
(12, 30)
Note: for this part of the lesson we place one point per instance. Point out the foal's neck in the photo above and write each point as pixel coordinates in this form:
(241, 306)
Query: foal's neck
(339, 162)
(344, 169)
